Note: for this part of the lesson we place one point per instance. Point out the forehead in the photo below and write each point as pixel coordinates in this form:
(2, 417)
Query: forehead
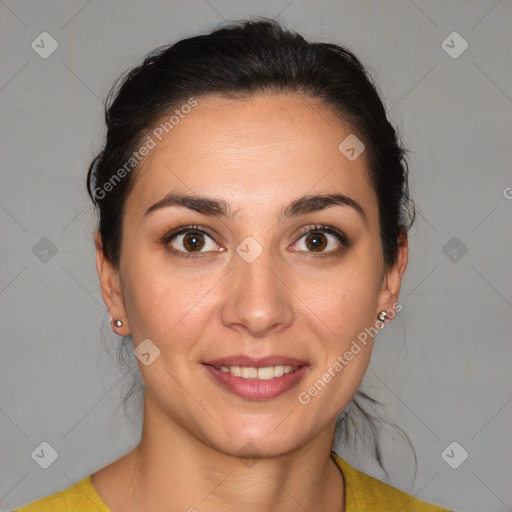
(259, 149)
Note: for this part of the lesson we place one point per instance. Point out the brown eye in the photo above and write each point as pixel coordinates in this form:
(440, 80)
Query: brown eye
(322, 239)
(316, 241)
(188, 241)
(193, 241)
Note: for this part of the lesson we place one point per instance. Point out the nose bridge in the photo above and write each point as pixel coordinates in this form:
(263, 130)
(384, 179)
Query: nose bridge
(256, 300)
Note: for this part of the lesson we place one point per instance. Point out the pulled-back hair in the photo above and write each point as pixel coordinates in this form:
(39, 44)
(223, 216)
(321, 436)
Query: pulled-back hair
(240, 60)
(236, 61)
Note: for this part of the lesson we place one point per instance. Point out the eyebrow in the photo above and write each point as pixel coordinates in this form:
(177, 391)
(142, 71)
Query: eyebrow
(219, 208)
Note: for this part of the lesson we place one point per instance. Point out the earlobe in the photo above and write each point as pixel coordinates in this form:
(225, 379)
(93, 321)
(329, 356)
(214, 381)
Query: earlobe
(111, 289)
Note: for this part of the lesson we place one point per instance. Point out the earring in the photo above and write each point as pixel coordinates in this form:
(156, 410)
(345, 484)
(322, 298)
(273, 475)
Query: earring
(382, 316)
(117, 323)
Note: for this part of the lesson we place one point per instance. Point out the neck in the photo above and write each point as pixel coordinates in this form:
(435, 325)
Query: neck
(171, 469)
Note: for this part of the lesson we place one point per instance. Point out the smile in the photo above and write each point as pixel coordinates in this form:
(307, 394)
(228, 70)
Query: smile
(257, 379)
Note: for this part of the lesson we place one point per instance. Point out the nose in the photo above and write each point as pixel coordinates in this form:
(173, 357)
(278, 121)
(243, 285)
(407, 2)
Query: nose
(258, 300)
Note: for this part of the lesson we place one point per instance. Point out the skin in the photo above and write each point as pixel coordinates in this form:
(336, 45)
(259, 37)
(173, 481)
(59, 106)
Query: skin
(257, 155)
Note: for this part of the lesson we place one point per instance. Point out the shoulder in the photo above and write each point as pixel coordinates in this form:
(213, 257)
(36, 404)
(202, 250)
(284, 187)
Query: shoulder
(365, 493)
(79, 497)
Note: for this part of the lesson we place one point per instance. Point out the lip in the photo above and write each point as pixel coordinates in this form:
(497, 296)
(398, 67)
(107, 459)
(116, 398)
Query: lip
(255, 389)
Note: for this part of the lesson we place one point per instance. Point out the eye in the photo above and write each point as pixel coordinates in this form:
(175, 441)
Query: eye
(321, 239)
(190, 239)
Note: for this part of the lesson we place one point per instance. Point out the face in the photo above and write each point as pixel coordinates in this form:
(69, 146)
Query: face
(251, 259)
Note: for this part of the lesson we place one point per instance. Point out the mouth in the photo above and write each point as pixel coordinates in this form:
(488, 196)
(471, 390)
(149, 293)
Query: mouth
(257, 379)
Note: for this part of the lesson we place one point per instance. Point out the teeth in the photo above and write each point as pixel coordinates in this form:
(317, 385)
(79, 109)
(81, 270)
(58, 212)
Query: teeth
(279, 370)
(249, 373)
(265, 373)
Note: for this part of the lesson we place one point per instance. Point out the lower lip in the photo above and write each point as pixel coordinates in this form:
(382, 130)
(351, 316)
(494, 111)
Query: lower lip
(256, 389)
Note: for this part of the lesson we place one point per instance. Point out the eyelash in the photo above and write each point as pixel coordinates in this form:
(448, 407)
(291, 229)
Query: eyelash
(322, 228)
(179, 231)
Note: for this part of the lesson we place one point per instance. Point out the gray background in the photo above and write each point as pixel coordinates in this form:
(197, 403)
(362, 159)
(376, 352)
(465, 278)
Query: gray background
(442, 369)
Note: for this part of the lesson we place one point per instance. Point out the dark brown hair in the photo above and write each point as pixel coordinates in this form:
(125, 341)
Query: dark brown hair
(240, 60)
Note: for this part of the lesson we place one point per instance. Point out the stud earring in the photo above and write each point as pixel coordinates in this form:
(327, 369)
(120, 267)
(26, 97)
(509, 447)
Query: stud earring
(117, 323)
(382, 316)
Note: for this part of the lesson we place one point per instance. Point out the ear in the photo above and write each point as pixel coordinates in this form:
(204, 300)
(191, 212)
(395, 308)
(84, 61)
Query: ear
(392, 281)
(111, 288)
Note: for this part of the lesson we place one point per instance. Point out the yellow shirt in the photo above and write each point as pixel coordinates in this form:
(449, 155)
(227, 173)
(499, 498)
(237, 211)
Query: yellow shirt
(363, 493)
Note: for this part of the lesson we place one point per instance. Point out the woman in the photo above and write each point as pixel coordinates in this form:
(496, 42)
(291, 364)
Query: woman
(252, 239)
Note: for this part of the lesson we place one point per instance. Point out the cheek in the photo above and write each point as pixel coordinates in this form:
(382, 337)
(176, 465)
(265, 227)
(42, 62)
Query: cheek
(343, 350)
(347, 336)
(167, 305)
(343, 301)
(342, 312)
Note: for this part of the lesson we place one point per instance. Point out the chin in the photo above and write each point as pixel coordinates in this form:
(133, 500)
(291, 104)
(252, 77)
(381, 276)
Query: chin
(262, 436)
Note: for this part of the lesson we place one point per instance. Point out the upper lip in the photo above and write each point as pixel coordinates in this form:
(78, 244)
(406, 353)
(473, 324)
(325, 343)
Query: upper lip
(253, 362)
